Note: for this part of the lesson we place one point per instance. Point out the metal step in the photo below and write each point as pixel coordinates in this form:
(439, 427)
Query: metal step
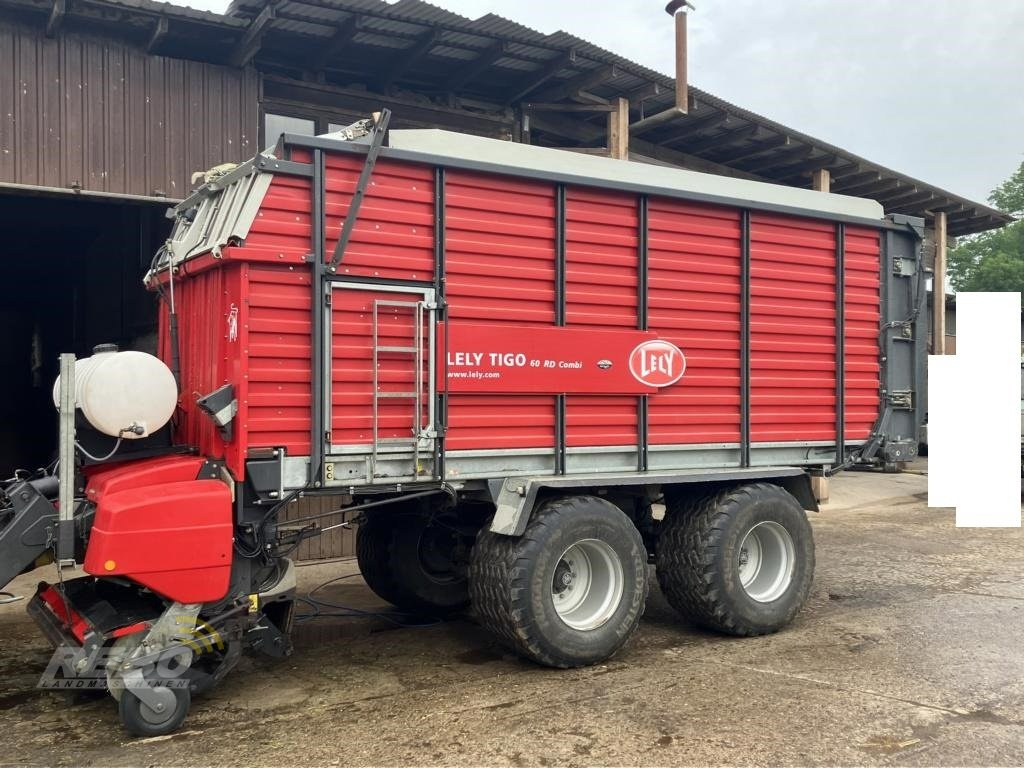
(406, 350)
(407, 395)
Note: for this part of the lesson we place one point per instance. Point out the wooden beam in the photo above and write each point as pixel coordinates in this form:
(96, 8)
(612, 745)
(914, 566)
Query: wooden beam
(939, 287)
(842, 183)
(158, 35)
(534, 106)
(803, 167)
(342, 36)
(821, 180)
(782, 158)
(408, 58)
(618, 130)
(874, 187)
(583, 82)
(471, 69)
(723, 139)
(758, 149)
(644, 92)
(249, 45)
(913, 198)
(691, 125)
(56, 19)
(541, 76)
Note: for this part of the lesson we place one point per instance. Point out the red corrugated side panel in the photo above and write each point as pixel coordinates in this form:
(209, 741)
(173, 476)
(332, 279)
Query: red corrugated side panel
(207, 297)
(394, 234)
(863, 273)
(500, 266)
(601, 264)
(694, 302)
(792, 329)
(279, 393)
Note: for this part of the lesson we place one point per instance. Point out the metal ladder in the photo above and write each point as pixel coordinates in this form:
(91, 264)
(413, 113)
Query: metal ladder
(419, 432)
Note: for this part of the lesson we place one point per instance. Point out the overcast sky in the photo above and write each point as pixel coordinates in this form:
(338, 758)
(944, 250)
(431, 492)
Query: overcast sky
(932, 88)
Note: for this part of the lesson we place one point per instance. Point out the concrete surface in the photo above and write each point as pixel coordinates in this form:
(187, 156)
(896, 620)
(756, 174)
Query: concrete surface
(910, 652)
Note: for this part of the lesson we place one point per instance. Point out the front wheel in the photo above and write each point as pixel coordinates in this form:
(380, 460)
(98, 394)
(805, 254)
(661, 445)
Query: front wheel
(740, 561)
(161, 716)
(570, 591)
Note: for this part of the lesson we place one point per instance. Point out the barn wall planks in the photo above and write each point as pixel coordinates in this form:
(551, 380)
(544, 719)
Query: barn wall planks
(99, 114)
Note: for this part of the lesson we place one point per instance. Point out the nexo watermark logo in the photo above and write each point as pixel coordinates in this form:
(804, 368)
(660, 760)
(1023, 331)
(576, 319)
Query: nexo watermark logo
(657, 363)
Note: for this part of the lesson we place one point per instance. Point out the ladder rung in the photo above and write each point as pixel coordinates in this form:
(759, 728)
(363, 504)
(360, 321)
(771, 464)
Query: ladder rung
(397, 440)
(408, 395)
(397, 349)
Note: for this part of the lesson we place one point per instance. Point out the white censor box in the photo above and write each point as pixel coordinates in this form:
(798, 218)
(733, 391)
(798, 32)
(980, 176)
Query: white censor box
(973, 414)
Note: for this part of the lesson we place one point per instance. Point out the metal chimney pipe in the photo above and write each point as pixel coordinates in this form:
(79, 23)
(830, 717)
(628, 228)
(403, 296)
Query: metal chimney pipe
(682, 87)
(676, 8)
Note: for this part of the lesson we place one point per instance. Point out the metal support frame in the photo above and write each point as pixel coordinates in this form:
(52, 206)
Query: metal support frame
(560, 278)
(319, 338)
(745, 338)
(642, 322)
(66, 488)
(376, 142)
(840, 344)
(441, 419)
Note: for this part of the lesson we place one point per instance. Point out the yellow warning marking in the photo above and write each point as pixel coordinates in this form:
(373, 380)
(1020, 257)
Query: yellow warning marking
(254, 603)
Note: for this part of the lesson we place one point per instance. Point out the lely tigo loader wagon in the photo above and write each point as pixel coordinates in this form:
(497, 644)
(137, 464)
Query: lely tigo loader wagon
(530, 373)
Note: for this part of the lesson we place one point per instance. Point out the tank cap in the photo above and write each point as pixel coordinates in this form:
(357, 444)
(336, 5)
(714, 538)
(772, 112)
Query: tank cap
(99, 349)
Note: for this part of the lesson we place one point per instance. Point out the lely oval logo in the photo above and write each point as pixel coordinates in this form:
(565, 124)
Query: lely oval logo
(657, 363)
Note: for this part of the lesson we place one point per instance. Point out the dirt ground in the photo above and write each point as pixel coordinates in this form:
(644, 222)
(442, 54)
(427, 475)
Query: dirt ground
(910, 652)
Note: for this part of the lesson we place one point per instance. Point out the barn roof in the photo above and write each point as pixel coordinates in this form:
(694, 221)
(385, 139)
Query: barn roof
(494, 63)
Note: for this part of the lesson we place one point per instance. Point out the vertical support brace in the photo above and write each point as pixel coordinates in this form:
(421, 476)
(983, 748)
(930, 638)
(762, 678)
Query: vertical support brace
(441, 418)
(642, 322)
(939, 287)
(318, 342)
(66, 488)
(560, 406)
(840, 343)
(745, 338)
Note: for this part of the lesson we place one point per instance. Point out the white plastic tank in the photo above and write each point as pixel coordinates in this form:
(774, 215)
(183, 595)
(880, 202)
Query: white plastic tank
(123, 394)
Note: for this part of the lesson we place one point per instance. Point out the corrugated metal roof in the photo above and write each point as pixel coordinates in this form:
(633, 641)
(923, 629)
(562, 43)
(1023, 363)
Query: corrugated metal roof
(426, 48)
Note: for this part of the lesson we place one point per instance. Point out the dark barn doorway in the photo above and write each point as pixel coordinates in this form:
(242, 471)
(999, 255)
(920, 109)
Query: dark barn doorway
(70, 278)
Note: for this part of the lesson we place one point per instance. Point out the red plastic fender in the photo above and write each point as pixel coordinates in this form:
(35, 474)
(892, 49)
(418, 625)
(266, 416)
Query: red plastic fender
(174, 537)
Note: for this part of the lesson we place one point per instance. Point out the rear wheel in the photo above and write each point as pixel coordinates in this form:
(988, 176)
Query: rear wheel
(415, 560)
(740, 561)
(570, 591)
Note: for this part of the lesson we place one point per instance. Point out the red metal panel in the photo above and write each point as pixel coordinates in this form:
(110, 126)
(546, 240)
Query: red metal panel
(601, 265)
(203, 302)
(792, 329)
(694, 302)
(863, 273)
(352, 373)
(394, 235)
(277, 411)
(500, 266)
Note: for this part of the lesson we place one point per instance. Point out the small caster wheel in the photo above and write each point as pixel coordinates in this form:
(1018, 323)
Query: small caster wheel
(168, 713)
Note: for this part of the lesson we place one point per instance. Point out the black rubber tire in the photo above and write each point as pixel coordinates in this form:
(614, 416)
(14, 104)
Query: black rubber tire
(698, 559)
(373, 548)
(510, 582)
(388, 549)
(129, 708)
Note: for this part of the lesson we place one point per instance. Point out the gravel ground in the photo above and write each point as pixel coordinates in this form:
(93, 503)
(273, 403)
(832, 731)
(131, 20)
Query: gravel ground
(909, 652)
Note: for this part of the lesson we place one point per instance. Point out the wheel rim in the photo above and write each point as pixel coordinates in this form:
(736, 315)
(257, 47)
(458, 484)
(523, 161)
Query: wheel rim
(766, 560)
(587, 585)
(167, 703)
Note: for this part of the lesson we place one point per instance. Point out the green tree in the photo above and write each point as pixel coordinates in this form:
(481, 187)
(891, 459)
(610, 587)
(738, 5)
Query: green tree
(994, 261)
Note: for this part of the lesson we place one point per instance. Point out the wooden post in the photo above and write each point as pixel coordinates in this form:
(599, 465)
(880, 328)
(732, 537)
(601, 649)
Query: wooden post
(618, 130)
(821, 180)
(939, 287)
